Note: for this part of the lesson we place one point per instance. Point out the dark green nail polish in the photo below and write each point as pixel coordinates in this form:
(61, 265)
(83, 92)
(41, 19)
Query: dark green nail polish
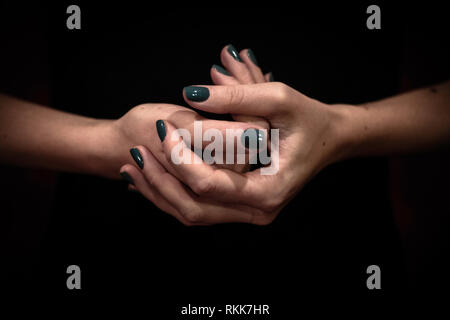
(161, 128)
(271, 78)
(221, 70)
(252, 57)
(127, 177)
(233, 52)
(137, 157)
(197, 94)
(252, 138)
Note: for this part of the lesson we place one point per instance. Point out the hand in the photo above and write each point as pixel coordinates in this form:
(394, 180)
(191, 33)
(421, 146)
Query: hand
(311, 135)
(240, 68)
(137, 127)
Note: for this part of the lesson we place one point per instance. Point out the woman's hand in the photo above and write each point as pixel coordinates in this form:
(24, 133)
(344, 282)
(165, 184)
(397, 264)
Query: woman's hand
(311, 136)
(137, 127)
(240, 68)
(37, 136)
(41, 137)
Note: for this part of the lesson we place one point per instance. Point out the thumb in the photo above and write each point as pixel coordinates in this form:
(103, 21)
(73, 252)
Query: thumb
(261, 99)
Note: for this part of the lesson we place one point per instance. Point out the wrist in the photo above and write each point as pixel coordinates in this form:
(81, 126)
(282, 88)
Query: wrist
(104, 156)
(349, 129)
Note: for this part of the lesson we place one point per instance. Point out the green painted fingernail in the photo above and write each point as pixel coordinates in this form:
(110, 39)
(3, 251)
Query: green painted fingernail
(233, 52)
(127, 177)
(197, 94)
(252, 57)
(221, 70)
(271, 78)
(252, 138)
(137, 157)
(161, 128)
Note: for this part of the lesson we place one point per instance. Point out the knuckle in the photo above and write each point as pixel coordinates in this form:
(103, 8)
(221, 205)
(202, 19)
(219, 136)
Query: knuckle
(140, 107)
(203, 186)
(192, 215)
(270, 204)
(151, 179)
(235, 95)
(282, 92)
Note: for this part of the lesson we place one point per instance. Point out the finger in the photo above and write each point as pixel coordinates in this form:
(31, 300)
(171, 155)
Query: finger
(186, 118)
(262, 99)
(132, 188)
(140, 184)
(248, 56)
(198, 131)
(188, 208)
(220, 76)
(205, 180)
(233, 62)
(175, 199)
(269, 77)
(251, 138)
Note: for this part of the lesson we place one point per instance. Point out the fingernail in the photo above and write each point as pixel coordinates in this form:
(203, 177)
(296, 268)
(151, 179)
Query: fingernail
(127, 177)
(137, 157)
(271, 78)
(161, 128)
(197, 94)
(252, 57)
(252, 138)
(233, 52)
(221, 70)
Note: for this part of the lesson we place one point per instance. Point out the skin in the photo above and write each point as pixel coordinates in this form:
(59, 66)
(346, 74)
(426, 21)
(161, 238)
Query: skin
(32, 135)
(36, 136)
(312, 135)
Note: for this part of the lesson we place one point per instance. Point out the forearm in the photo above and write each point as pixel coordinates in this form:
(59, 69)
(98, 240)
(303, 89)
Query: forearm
(411, 122)
(37, 136)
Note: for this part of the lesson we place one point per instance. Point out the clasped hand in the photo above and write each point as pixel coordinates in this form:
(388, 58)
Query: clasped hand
(197, 193)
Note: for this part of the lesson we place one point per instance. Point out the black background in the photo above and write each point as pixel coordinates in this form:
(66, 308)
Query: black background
(319, 247)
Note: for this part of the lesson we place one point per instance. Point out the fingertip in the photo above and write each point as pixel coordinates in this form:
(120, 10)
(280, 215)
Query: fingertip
(169, 129)
(161, 129)
(224, 56)
(269, 77)
(224, 51)
(125, 167)
(196, 94)
(243, 54)
(220, 70)
(220, 76)
(126, 173)
(146, 155)
(247, 54)
(216, 78)
(137, 156)
(132, 188)
(231, 50)
(251, 55)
